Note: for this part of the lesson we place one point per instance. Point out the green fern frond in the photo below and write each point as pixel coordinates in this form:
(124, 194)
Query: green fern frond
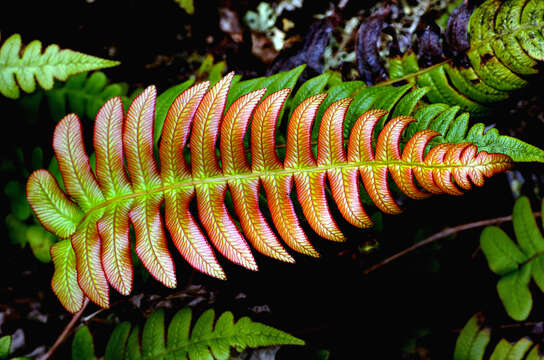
(454, 127)
(84, 94)
(506, 47)
(448, 120)
(22, 68)
(474, 339)
(22, 228)
(516, 263)
(5, 346)
(183, 339)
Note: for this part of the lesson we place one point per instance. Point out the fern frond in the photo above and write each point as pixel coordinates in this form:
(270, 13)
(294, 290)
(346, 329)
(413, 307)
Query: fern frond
(99, 207)
(30, 64)
(506, 46)
(475, 338)
(83, 94)
(454, 128)
(516, 264)
(64, 281)
(5, 346)
(205, 338)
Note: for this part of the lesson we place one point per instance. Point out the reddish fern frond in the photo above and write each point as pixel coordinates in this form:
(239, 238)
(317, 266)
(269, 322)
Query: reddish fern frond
(98, 207)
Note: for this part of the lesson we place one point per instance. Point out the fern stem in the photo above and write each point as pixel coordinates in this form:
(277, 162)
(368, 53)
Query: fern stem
(440, 235)
(268, 173)
(66, 332)
(475, 46)
(414, 74)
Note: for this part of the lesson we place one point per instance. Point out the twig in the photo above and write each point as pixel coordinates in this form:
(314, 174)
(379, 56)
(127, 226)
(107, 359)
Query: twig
(523, 324)
(440, 235)
(89, 317)
(66, 332)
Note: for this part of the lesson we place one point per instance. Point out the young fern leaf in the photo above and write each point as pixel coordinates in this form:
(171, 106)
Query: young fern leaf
(455, 129)
(517, 263)
(506, 47)
(205, 339)
(98, 208)
(475, 338)
(30, 64)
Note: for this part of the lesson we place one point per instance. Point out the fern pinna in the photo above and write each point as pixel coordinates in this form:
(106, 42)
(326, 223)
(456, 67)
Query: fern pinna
(101, 205)
(506, 48)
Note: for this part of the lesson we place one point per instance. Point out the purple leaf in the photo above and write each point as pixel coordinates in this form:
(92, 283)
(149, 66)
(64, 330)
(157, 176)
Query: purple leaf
(310, 52)
(429, 46)
(369, 64)
(457, 32)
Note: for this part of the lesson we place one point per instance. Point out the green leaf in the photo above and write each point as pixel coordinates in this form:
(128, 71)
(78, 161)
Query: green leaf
(335, 93)
(442, 118)
(133, 346)
(309, 88)
(472, 340)
(514, 292)
(501, 252)
(15, 191)
(443, 92)
(164, 101)
(210, 71)
(538, 271)
(201, 342)
(32, 65)
(506, 350)
(37, 158)
(57, 213)
(40, 242)
(361, 103)
(407, 105)
(187, 5)
(83, 94)
(153, 335)
(16, 230)
(516, 264)
(178, 331)
(286, 79)
(5, 346)
(82, 345)
(117, 341)
(527, 233)
(64, 282)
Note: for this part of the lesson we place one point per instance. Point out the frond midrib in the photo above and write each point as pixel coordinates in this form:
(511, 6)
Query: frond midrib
(194, 182)
(473, 47)
(206, 340)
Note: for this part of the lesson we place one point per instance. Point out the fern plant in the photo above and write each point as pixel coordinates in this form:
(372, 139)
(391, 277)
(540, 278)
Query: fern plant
(23, 228)
(84, 94)
(516, 264)
(506, 47)
(31, 65)
(474, 339)
(5, 345)
(206, 338)
(98, 210)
